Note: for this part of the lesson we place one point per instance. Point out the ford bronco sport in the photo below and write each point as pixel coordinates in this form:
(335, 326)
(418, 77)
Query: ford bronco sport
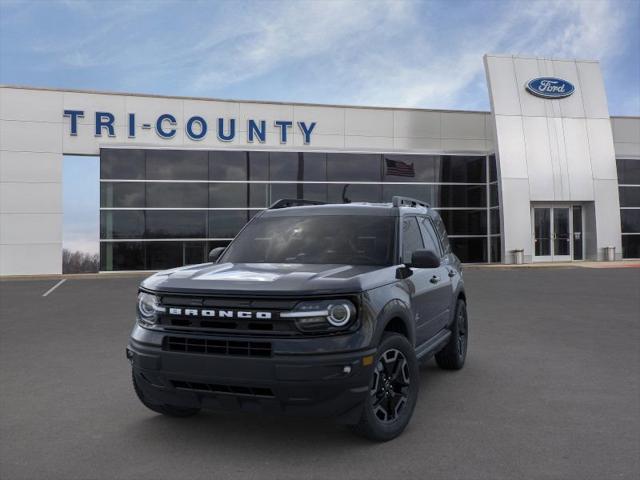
(313, 309)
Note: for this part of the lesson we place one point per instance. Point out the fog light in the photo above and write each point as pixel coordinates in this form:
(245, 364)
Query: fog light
(368, 360)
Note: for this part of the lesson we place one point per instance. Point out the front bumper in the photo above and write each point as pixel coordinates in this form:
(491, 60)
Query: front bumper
(319, 384)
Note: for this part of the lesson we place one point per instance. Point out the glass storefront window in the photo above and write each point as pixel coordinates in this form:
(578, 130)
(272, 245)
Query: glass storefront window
(177, 195)
(228, 195)
(472, 250)
(631, 246)
(630, 221)
(462, 169)
(177, 165)
(494, 218)
(628, 171)
(122, 224)
(122, 195)
(306, 191)
(227, 223)
(493, 169)
(353, 192)
(410, 168)
(176, 224)
(225, 165)
(456, 185)
(629, 196)
(465, 222)
(122, 256)
(359, 167)
(122, 164)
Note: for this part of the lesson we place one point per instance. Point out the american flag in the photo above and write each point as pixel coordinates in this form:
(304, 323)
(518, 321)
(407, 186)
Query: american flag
(399, 168)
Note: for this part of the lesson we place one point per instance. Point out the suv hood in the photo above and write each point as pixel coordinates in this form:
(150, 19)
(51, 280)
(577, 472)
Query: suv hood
(270, 278)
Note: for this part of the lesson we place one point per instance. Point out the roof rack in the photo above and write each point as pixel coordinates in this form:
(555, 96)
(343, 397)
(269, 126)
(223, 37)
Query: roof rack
(398, 201)
(293, 202)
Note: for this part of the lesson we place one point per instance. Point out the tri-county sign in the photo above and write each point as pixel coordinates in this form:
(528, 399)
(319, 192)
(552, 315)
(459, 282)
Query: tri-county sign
(550, 87)
(196, 127)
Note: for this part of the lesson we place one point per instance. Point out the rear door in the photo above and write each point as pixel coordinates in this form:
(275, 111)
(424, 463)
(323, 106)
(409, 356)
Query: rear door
(442, 291)
(420, 284)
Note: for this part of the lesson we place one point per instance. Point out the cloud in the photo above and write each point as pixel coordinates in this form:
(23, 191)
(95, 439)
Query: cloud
(393, 53)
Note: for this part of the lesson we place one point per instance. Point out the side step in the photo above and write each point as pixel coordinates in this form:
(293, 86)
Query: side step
(431, 347)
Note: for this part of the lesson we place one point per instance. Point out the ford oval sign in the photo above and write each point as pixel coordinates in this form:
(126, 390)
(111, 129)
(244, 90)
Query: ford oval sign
(550, 87)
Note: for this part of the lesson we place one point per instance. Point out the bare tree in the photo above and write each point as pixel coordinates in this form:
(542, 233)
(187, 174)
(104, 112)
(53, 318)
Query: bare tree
(79, 262)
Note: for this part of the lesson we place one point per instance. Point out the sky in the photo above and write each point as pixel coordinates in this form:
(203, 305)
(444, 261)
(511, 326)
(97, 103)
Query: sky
(381, 53)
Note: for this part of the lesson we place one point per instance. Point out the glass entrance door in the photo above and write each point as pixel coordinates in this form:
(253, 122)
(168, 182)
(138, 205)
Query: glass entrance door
(561, 234)
(542, 234)
(557, 233)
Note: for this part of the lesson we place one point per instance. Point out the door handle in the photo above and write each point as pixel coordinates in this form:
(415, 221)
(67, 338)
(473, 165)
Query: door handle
(452, 273)
(435, 279)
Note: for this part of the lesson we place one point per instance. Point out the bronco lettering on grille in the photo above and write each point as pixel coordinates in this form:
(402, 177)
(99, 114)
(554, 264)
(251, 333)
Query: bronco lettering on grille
(212, 313)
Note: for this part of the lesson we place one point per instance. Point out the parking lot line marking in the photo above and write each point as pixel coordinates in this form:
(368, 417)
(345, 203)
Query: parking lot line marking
(54, 287)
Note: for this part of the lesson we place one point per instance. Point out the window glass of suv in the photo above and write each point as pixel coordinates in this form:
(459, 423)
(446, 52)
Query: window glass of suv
(411, 238)
(431, 241)
(315, 239)
(442, 234)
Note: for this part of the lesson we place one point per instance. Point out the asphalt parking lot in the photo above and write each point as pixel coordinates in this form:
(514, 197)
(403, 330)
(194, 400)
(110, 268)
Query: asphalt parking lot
(551, 390)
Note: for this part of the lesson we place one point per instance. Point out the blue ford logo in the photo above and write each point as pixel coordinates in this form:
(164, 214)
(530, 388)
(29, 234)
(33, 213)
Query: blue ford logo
(550, 87)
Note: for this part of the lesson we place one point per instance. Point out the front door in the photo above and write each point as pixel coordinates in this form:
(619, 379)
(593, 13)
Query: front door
(557, 233)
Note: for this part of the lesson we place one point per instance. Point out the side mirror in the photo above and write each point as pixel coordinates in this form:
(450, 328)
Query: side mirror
(424, 259)
(215, 254)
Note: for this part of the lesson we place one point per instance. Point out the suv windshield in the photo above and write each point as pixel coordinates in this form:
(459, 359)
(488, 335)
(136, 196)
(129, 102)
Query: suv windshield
(337, 239)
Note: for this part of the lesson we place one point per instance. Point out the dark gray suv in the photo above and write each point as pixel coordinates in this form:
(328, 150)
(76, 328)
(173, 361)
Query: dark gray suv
(313, 309)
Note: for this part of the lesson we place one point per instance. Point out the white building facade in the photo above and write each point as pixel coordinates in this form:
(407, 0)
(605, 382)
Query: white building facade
(546, 174)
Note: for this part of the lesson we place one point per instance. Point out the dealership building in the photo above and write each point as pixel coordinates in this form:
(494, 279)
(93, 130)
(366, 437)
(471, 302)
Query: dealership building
(546, 175)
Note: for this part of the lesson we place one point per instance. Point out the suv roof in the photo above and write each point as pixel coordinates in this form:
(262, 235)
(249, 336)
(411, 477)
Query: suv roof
(293, 207)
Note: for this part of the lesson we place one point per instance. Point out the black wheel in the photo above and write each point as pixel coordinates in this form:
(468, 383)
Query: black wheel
(393, 390)
(169, 410)
(453, 355)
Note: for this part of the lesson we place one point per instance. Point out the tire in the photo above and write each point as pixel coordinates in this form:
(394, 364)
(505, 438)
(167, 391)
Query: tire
(454, 354)
(168, 410)
(393, 390)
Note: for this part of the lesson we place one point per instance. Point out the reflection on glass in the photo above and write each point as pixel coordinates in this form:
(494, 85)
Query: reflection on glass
(121, 224)
(177, 195)
(472, 250)
(177, 165)
(122, 256)
(225, 165)
(350, 192)
(465, 222)
(123, 164)
(176, 224)
(354, 167)
(227, 223)
(228, 195)
(119, 195)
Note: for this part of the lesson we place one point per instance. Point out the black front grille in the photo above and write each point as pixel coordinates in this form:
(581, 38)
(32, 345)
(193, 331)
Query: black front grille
(217, 346)
(215, 388)
(274, 326)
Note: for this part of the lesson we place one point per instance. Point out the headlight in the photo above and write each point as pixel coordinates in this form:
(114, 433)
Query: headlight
(323, 315)
(148, 308)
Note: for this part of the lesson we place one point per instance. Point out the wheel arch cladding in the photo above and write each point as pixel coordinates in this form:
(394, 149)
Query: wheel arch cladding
(395, 317)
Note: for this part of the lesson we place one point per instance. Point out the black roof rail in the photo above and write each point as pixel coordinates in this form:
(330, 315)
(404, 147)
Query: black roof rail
(293, 202)
(398, 201)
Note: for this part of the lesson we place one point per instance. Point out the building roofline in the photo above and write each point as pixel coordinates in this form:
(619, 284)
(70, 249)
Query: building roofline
(210, 99)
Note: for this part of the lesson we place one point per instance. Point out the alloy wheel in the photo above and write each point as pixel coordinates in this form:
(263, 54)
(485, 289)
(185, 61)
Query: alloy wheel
(390, 386)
